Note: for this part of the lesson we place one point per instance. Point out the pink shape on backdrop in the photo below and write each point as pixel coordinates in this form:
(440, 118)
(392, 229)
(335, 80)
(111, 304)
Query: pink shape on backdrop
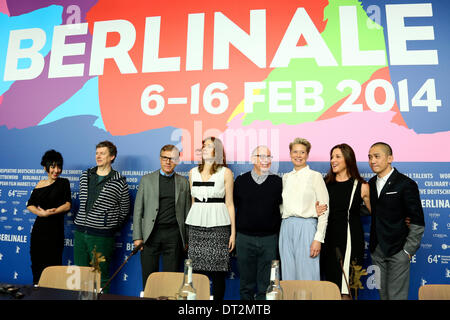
(4, 7)
(359, 130)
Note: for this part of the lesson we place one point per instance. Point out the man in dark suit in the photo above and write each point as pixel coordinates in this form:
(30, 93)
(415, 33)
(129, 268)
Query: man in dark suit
(161, 206)
(394, 198)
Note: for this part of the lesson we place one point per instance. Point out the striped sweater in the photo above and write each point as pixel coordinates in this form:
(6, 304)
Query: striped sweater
(109, 211)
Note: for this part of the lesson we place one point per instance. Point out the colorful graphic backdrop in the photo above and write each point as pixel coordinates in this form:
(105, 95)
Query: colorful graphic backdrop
(145, 73)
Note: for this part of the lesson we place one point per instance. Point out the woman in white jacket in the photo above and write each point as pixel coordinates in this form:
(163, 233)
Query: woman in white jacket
(302, 229)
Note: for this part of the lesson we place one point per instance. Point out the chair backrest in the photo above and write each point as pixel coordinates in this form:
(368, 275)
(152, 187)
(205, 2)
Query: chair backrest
(320, 290)
(434, 292)
(69, 278)
(166, 284)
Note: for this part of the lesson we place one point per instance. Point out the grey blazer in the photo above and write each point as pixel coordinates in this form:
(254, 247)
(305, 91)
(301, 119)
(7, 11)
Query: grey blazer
(146, 205)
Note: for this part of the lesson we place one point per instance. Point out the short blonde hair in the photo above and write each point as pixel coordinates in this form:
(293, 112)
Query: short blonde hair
(302, 141)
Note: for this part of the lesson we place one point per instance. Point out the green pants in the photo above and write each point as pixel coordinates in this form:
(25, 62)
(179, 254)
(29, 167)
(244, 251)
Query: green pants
(82, 251)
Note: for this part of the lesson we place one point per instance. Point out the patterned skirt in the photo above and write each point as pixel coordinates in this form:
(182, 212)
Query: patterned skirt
(208, 248)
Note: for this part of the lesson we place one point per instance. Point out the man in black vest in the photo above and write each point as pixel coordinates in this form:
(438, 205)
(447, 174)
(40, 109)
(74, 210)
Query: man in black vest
(393, 197)
(257, 199)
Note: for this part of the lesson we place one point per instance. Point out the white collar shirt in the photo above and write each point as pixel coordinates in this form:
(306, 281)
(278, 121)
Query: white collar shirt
(301, 190)
(259, 179)
(382, 181)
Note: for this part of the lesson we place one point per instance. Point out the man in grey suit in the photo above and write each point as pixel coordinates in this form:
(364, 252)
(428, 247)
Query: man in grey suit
(162, 204)
(394, 198)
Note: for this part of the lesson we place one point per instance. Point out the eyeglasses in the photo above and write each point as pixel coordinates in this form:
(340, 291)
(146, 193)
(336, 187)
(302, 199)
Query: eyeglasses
(164, 158)
(264, 157)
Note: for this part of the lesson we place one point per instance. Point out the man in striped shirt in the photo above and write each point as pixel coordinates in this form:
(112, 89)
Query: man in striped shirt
(104, 207)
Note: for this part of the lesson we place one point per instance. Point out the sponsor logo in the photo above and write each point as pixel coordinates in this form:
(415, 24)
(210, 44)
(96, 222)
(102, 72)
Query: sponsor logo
(423, 282)
(434, 226)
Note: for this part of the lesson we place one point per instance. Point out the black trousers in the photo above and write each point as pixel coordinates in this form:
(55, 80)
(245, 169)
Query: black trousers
(218, 279)
(165, 242)
(254, 258)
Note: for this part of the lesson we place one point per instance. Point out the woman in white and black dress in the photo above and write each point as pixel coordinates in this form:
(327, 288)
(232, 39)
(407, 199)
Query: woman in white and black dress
(211, 221)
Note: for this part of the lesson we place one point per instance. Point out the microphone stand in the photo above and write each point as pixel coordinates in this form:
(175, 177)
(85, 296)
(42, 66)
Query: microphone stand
(135, 250)
(339, 257)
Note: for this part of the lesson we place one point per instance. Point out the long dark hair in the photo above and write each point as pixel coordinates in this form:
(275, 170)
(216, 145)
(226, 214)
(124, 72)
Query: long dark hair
(219, 155)
(350, 163)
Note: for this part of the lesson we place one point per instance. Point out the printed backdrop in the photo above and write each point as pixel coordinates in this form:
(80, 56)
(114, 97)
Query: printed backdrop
(146, 73)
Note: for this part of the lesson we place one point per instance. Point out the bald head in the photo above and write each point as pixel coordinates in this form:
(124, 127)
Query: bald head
(380, 159)
(261, 159)
(384, 146)
(259, 149)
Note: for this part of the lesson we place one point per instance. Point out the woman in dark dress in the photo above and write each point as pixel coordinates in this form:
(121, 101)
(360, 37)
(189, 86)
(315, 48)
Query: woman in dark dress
(339, 180)
(50, 201)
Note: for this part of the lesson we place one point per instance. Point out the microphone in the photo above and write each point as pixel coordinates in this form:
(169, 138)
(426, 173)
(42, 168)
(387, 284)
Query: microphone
(338, 254)
(339, 258)
(135, 250)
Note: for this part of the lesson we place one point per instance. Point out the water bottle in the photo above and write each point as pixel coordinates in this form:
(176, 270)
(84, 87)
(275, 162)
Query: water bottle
(187, 291)
(274, 291)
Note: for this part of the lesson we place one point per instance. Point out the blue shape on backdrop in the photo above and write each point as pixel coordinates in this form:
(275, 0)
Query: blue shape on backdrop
(417, 75)
(84, 102)
(45, 18)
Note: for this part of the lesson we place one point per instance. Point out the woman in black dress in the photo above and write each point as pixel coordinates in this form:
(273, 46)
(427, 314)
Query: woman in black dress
(50, 201)
(339, 180)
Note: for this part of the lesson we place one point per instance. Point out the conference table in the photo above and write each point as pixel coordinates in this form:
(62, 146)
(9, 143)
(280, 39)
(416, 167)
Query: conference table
(30, 292)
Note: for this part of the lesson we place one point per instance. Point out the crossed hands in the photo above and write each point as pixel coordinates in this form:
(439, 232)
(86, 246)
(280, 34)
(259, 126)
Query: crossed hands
(45, 213)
